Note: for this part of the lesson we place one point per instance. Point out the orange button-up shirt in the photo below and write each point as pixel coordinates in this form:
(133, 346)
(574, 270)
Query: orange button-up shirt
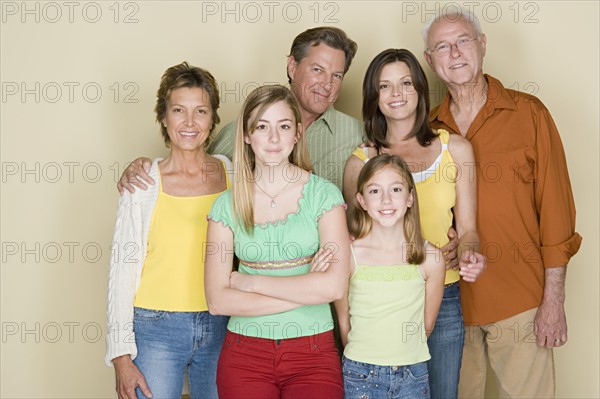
(525, 212)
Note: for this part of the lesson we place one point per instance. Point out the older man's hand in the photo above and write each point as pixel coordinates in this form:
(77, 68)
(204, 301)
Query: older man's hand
(550, 323)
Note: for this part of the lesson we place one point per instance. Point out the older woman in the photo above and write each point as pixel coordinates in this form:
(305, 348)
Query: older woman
(159, 324)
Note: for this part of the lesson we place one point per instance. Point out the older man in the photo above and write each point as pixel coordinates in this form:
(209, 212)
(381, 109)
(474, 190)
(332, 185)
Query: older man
(525, 218)
(318, 60)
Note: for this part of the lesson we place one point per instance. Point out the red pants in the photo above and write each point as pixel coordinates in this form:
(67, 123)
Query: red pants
(305, 367)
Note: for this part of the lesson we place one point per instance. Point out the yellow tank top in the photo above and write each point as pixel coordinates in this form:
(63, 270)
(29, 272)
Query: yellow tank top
(173, 273)
(436, 191)
(386, 303)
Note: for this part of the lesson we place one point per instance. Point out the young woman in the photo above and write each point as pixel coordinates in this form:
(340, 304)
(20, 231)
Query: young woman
(282, 222)
(395, 289)
(396, 116)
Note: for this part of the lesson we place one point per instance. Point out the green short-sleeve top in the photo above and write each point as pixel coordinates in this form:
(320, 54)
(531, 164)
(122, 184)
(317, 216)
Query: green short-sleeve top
(282, 248)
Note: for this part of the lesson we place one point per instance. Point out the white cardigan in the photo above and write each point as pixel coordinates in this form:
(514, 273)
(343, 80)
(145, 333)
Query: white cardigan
(128, 253)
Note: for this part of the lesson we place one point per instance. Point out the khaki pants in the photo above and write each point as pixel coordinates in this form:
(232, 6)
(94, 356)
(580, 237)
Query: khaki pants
(522, 368)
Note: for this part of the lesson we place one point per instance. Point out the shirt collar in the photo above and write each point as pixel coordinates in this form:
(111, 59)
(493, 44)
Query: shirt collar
(328, 119)
(497, 98)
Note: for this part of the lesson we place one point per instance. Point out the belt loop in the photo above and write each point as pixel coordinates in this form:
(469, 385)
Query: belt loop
(312, 342)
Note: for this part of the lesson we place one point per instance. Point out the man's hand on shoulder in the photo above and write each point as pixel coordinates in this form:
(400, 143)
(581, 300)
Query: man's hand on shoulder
(136, 175)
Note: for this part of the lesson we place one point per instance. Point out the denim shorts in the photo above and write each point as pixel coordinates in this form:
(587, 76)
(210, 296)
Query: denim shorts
(368, 381)
(171, 343)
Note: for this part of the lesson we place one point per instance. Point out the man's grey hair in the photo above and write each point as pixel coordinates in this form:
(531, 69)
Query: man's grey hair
(452, 14)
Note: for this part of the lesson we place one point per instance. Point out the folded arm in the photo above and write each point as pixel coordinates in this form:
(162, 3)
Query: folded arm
(311, 288)
(222, 298)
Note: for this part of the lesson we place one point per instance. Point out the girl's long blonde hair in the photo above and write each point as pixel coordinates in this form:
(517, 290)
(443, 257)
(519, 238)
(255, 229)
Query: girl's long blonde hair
(257, 103)
(360, 220)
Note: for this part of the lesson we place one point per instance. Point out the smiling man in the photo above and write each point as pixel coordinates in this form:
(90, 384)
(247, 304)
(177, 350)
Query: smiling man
(318, 60)
(525, 218)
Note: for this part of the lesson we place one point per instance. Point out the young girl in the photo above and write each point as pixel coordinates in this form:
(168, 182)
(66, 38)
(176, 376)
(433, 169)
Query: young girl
(395, 290)
(279, 342)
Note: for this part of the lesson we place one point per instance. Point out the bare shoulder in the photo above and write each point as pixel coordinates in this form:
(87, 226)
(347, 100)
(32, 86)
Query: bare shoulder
(460, 148)
(351, 171)
(361, 249)
(215, 161)
(353, 166)
(304, 175)
(354, 162)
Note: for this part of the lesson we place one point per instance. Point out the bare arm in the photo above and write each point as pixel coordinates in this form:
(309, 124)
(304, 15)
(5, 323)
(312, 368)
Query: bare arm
(465, 210)
(311, 288)
(342, 310)
(135, 175)
(221, 297)
(434, 269)
(550, 323)
(343, 314)
(471, 262)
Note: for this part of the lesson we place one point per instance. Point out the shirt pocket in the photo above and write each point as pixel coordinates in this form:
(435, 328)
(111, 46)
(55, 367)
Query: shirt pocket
(505, 182)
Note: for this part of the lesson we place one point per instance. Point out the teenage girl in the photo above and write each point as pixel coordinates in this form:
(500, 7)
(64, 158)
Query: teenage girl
(277, 217)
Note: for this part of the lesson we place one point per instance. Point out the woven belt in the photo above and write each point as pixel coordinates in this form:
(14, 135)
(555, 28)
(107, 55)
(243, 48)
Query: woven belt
(284, 264)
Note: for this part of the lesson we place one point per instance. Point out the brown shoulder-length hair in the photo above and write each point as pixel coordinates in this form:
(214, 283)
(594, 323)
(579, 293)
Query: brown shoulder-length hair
(256, 104)
(375, 124)
(186, 75)
(360, 220)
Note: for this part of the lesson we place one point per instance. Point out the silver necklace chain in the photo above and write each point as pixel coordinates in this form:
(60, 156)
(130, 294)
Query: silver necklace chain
(273, 205)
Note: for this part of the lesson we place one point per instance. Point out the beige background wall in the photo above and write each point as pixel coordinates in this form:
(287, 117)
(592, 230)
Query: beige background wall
(78, 87)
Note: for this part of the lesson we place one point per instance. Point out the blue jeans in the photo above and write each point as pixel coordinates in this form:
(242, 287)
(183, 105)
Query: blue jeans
(446, 346)
(363, 380)
(171, 343)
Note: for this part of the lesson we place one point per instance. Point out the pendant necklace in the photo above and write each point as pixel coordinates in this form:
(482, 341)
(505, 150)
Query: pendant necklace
(272, 196)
